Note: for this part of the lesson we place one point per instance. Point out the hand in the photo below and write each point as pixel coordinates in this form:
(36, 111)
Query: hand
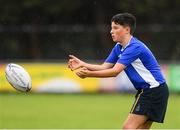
(83, 73)
(74, 63)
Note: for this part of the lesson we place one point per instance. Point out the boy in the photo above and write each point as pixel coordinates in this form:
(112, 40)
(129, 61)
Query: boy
(132, 56)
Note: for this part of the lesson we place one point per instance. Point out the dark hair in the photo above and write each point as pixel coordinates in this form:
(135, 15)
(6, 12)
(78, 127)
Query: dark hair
(125, 19)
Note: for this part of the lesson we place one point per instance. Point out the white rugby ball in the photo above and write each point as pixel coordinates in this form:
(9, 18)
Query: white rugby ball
(18, 77)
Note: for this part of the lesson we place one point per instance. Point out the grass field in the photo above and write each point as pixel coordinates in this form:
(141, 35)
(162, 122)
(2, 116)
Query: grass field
(88, 111)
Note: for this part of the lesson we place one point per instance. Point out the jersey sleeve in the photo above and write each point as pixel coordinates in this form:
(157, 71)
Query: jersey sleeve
(112, 58)
(130, 54)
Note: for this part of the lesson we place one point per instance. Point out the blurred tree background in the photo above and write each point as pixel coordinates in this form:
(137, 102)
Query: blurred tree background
(52, 29)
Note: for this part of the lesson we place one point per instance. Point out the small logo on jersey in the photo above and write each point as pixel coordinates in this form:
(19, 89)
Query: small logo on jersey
(137, 108)
(119, 55)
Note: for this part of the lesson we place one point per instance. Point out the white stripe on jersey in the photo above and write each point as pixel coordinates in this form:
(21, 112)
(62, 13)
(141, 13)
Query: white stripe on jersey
(144, 73)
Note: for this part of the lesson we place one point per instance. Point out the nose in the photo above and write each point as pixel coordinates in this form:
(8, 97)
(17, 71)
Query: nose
(111, 31)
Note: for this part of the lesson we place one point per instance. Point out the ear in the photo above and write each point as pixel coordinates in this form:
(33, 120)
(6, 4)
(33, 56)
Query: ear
(128, 29)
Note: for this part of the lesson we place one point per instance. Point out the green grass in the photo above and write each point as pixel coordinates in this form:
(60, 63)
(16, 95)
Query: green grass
(88, 111)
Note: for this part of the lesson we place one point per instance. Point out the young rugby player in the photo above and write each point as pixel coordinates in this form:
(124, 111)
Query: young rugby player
(140, 65)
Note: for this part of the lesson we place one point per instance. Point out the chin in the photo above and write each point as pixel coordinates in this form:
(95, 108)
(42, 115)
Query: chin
(115, 41)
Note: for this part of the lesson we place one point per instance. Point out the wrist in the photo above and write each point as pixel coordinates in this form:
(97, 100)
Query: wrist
(83, 64)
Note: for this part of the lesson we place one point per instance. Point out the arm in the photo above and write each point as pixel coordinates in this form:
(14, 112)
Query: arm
(111, 72)
(94, 67)
(75, 63)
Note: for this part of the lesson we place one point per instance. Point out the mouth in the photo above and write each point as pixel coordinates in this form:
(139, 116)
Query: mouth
(113, 37)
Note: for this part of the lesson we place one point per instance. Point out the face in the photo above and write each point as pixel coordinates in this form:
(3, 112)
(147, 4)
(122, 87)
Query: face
(118, 32)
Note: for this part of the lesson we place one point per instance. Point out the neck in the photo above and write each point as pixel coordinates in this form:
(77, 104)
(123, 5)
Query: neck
(125, 40)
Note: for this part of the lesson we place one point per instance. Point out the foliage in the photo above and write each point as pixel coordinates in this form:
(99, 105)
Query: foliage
(85, 11)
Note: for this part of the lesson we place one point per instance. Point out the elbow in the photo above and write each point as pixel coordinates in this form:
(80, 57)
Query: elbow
(117, 70)
(115, 73)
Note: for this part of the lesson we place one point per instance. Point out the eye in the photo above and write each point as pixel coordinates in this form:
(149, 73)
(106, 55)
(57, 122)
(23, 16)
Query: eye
(114, 27)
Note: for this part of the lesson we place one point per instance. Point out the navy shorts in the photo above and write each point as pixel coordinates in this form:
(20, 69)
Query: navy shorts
(152, 102)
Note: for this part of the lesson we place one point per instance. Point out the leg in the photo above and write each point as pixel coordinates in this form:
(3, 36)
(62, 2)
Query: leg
(146, 125)
(134, 121)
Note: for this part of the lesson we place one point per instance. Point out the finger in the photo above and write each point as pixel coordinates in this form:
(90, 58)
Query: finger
(69, 65)
(73, 57)
(71, 68)
(81, 76)
(78, 74)
(81, 71)
(84, 74)
(71, 60)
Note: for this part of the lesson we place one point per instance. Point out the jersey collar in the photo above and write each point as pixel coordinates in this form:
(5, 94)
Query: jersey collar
(127, 44)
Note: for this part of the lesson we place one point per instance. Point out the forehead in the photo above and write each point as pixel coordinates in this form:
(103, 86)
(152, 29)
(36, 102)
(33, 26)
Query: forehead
(113, 24)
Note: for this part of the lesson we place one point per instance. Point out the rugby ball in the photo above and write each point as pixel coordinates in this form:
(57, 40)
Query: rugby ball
(18, 77)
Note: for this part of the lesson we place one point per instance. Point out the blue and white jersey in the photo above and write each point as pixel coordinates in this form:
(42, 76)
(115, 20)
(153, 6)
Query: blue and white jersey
(142, 67)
